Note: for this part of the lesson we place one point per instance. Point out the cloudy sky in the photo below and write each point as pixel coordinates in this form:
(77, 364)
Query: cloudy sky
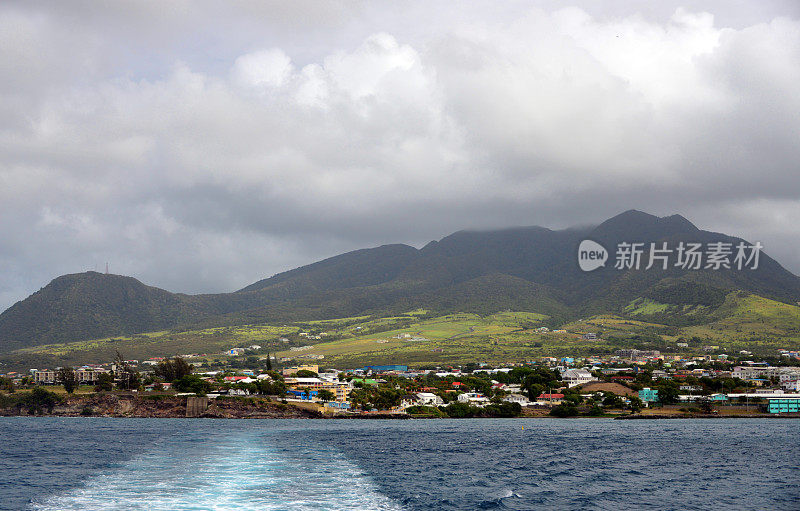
(200, 146)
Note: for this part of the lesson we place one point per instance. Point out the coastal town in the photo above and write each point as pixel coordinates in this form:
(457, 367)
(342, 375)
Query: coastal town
(629, 383)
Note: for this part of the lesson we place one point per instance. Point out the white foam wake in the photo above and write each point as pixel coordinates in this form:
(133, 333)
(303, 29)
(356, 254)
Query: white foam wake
(228, 473)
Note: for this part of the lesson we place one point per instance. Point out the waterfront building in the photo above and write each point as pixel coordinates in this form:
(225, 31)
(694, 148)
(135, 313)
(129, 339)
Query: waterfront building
(517, 398)
(549, 399)
(784, 405)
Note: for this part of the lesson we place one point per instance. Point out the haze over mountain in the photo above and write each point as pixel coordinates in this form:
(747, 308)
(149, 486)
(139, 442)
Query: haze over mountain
(526, 268)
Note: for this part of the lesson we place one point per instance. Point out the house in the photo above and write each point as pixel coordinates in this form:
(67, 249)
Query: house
(473, 398)
(517, 398)
(549, 399)
(235, 352)
(429, 399)
(574, 377)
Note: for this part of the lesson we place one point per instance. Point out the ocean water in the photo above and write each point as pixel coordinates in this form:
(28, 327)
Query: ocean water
(189, 464)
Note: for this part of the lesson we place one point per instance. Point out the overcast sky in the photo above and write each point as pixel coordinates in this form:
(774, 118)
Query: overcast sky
(200, 146)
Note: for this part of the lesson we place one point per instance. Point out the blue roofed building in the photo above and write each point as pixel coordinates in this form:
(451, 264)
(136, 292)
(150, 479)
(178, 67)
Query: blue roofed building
(386, 369)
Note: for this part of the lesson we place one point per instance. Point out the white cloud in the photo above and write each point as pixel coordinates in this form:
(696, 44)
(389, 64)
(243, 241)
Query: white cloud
(204, 172)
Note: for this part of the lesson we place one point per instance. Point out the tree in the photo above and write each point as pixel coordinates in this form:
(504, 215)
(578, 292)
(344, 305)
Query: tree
(66, 375)
(667, 392)
(172, 369)
(192, 383)
(269, 362)
(564, 410)
(539, 379)
(611, 400)
(104, 382)
(458, 410)
(325, 395)
(271, 387)
(37, 400)
(305, 373)
(6, 384)
(126, 376)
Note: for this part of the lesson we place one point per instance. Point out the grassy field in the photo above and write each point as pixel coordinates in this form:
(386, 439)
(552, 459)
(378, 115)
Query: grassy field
(156, 344)
(742, 322)
(454, 339)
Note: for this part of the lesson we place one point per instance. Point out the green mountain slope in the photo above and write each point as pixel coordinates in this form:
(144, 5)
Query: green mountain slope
(525, 269)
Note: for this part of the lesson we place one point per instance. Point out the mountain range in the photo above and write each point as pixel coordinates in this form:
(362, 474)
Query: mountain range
(525, 269)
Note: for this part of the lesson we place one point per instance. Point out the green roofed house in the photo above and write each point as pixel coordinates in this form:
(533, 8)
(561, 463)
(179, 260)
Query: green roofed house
(648, 395)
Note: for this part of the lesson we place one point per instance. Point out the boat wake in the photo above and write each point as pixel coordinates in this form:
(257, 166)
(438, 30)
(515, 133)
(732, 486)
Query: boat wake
(242, 471)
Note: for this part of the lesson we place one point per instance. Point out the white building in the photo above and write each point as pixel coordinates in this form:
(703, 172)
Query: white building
(517, 398)
(574, 377)
(429, 399)
(473, 398)
(791, 385)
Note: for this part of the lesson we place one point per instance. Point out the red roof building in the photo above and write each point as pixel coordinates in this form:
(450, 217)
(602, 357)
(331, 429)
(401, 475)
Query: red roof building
(551, 396)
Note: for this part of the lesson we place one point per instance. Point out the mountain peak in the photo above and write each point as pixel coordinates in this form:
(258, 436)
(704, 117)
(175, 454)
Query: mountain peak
(634, 225)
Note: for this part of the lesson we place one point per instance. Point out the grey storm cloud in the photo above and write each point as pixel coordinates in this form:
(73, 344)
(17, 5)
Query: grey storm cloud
(200, 146)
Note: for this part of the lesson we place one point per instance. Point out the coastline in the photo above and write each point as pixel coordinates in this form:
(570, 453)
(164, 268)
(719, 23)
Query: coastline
(172, 406)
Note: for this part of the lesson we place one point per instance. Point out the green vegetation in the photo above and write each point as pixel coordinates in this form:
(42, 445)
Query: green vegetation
(66, 375)
(742, 321)
(34, 402)
(397, 288)
(463, 410)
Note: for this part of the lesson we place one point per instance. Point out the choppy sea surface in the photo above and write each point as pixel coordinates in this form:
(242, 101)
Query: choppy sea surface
(190, 464)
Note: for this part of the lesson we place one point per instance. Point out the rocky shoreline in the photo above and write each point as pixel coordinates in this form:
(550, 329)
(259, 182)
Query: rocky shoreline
(165, 406)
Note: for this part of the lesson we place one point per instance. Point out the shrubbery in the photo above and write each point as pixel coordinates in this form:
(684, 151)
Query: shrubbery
(36, 401)
(564, 410)
(464, 410)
